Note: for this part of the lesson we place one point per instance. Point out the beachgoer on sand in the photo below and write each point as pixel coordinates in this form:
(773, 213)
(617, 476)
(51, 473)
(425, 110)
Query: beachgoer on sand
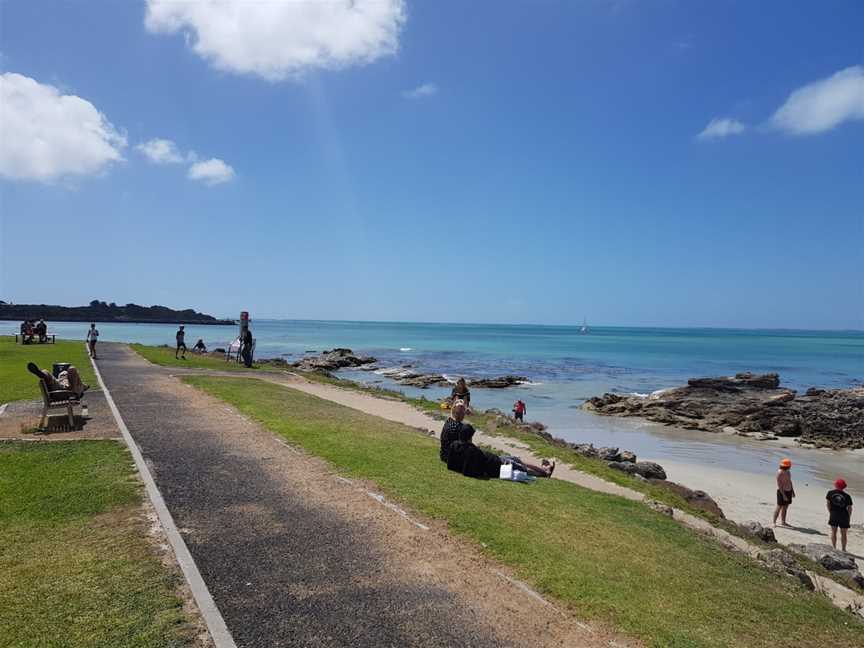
(92, 337)
(839, 504)
(461, 392)
(519, 410)
(181, 343)
(785, 491)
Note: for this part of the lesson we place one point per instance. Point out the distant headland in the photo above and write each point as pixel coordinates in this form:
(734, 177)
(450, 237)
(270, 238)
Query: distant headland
(100, 311)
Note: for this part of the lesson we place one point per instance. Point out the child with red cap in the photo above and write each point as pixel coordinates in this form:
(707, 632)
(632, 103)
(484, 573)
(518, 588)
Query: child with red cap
(839, 504)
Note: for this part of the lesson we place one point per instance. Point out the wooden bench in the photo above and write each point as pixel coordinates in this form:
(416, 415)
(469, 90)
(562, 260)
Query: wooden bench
(49, 338)
(55, 399)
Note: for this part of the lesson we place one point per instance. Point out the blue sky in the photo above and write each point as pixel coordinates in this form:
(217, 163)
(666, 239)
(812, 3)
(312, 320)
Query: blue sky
(634, 163)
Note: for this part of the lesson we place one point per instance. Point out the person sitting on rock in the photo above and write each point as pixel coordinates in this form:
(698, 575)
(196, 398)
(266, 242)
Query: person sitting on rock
(785, 491)
(466, 458)
(461, 392)
(839, 504)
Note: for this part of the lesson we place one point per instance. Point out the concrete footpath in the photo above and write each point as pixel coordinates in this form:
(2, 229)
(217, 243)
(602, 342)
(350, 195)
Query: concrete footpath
(294, 555)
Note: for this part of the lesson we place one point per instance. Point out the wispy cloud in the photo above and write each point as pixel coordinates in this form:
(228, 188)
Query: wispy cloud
(211, 172)
(424, 90)
(161, 151)
(720, 127)
(822, 105)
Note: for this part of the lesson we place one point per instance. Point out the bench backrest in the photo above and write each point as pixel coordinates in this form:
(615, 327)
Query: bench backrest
(44, 389)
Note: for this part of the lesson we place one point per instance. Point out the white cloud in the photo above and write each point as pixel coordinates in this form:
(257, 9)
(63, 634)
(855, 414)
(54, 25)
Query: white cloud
(721, 127)
(161, 151)
(211, 172)
(425, 90)
(279, 39)
(46, 136)
(824, 104)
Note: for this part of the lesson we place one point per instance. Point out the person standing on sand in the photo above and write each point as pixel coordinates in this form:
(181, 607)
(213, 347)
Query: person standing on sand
(181, 343)
(92, 337)
(785, 491)
(839, 504)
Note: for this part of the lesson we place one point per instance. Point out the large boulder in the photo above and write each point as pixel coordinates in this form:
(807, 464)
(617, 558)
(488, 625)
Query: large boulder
(646, 469)
(499, 382)
(695, 498)
(826, 555)
(338, 358)
(852, 575)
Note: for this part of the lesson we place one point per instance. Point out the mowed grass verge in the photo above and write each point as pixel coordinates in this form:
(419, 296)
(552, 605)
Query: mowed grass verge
(76, 568)
(164, 357)
(16, 383)
(609, 559)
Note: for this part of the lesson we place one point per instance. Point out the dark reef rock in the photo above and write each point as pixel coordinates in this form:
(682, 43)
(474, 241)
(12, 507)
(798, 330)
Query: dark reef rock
(749, 405)
(332, 360)
(501, 382)
(826, 555)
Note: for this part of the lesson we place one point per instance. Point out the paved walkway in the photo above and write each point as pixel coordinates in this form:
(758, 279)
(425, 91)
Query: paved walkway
(295, 556)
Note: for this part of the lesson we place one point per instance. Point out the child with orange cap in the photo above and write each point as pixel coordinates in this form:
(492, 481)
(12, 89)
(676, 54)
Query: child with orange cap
(785, 491)
(839, 504)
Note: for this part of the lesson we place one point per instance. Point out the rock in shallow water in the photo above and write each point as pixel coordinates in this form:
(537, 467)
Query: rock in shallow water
(750, 404)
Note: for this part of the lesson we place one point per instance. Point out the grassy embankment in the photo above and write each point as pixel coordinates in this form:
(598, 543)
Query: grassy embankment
(75, 566)
(607, 558)
(164, 356)
(16, 383)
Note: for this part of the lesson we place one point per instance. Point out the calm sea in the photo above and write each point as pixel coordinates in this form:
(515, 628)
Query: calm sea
(564, 367)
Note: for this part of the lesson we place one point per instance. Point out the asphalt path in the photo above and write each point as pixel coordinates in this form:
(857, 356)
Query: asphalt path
(282, 571)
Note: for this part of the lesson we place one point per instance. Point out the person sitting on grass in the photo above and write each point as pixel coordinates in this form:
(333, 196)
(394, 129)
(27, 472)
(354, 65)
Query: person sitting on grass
(466, 458)
(67, 380)
(199, 347)
(452, 428)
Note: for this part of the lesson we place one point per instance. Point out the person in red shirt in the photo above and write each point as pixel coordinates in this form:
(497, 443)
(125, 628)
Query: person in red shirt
(519, 410)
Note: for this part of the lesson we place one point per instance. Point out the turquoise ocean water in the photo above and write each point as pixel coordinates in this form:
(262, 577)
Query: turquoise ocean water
(564, 367)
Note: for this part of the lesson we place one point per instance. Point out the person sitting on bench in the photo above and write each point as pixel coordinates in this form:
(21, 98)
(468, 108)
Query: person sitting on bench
(68, 380)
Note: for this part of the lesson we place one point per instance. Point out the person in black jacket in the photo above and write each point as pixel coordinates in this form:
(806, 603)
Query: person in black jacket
(466, 458)
(452, 428)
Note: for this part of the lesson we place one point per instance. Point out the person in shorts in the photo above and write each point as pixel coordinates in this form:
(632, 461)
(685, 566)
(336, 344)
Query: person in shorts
(92, 337)
(181, 343)
(519, 410)
(785, 491)
(839, 504)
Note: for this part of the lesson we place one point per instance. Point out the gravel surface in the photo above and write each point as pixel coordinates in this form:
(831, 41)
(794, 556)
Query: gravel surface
(294, 556)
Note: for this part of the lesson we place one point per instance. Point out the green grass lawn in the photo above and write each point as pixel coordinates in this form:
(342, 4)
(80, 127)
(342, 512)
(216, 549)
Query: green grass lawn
(75, 567)
(164, 356)
(609, 559)
(16, 383)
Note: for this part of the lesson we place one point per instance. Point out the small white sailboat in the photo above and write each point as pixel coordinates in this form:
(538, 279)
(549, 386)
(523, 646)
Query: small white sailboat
(584, 328)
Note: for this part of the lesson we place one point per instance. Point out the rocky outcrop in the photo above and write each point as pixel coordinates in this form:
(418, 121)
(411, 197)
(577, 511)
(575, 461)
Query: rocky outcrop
(780, 562)
(501, 382)
(646, 469)
(826, 555)
(332, 360)
(695, 498)
(749, 405)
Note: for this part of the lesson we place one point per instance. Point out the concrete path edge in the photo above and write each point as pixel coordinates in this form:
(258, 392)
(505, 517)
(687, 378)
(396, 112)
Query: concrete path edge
(204, 600)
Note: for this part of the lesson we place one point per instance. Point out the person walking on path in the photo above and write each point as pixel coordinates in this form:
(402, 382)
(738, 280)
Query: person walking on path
(785, 491)
(519, 410)
(839, 504)
(92, 337)
(181, 342)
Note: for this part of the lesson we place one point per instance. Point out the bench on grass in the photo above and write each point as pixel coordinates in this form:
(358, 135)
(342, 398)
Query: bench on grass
(54, 399)
(34, 339)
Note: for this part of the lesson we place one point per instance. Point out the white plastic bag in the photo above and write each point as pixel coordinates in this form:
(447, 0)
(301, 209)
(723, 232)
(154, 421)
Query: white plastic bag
(506, 471)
